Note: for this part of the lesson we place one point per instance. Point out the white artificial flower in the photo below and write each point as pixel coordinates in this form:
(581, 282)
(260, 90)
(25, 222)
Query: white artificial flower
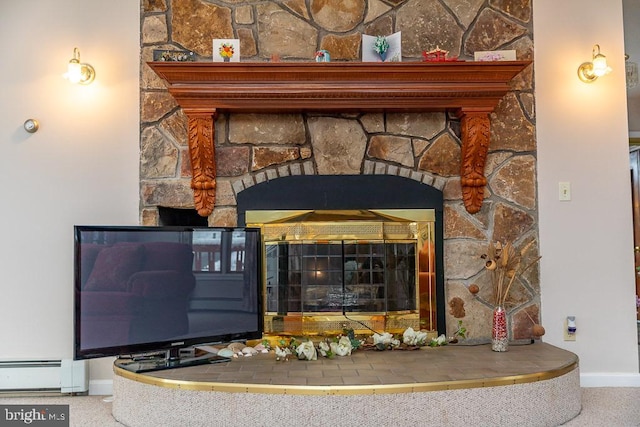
(307, 350)
(383, 338)
(409, 337)
(323, 348)
(441, 340)
(343, 347)
(282, 353)
(421, 338)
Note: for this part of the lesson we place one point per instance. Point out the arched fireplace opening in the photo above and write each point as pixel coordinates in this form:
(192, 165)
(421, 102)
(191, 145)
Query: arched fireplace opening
(357, 251)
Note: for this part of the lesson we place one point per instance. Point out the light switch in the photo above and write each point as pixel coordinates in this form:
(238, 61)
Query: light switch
(564, 189)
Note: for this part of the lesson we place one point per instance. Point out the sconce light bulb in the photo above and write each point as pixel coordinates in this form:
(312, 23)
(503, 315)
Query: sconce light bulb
(78, 72)
(600, 67)
(74, 71)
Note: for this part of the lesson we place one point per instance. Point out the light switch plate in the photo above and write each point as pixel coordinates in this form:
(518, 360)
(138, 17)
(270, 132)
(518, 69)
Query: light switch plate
(564, 191)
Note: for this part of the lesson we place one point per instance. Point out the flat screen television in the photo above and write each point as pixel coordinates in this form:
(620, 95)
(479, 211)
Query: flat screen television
(141, 291)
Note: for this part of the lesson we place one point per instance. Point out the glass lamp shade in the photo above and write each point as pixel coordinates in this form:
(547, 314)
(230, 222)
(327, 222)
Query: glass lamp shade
(600, 67)
(74, 71)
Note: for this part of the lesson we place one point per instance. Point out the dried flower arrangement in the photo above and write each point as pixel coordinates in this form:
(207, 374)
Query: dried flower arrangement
(506, 264)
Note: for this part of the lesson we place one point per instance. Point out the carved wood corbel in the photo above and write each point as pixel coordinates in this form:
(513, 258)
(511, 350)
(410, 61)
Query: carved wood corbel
(475, 132)
(201, 129)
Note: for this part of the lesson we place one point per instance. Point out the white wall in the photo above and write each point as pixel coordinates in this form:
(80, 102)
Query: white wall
(81, 167)
(586, 244)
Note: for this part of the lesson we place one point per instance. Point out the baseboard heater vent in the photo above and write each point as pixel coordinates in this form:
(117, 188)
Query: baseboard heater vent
(64, 376)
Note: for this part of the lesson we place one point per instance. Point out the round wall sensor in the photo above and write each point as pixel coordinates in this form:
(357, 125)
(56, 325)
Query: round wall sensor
(31, 125)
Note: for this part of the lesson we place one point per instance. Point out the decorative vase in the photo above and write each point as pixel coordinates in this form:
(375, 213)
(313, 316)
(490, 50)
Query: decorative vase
(226, 59)
(499, 335)
(383, 56)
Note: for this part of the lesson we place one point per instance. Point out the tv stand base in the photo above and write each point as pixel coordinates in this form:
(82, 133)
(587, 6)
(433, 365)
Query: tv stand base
(161, 363)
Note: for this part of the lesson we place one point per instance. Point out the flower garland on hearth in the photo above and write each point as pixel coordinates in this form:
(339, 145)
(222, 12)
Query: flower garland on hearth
(345, 344)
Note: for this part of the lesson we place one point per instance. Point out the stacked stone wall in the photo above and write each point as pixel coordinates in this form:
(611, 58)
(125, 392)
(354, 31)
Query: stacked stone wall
(251, 148)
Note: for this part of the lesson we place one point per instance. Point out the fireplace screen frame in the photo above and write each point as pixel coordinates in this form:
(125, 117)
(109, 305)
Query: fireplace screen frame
(353, 192)
(318, 273)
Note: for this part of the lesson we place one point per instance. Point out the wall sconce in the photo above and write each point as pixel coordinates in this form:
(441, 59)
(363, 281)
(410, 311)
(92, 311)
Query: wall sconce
(589, 72)
(78, 72)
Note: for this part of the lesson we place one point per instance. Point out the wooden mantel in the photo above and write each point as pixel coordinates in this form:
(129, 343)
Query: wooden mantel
(470, 89)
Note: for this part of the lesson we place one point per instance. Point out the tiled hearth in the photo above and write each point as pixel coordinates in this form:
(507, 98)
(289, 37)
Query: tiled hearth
(426, 369)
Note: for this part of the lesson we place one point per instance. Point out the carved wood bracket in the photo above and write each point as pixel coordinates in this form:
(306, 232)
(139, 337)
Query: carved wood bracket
(203, 160)
(470, 89)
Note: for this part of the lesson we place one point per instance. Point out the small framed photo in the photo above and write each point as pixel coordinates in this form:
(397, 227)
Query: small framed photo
(226, 50)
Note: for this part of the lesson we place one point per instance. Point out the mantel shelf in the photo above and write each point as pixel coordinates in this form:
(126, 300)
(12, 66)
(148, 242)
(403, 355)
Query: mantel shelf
(470, 89)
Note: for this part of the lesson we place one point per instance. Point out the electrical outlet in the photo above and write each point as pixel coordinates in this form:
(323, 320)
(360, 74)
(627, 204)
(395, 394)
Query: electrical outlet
(567, 335)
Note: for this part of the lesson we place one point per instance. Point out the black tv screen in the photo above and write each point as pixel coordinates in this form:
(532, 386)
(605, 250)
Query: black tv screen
(149, 289)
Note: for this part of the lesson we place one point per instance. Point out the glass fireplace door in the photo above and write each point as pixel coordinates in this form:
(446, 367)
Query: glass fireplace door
(340, 276)
(325, 271)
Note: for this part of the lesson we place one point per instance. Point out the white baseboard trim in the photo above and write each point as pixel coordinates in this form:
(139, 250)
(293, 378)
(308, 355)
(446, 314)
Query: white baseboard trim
(100, 387)
(610, 380)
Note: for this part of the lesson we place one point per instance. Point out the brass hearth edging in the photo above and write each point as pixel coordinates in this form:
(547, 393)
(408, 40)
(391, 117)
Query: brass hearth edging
(351, 390)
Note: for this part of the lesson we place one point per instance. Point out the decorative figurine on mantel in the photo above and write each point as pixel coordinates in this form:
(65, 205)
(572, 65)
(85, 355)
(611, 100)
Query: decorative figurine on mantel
(438, 55)
(323, 56)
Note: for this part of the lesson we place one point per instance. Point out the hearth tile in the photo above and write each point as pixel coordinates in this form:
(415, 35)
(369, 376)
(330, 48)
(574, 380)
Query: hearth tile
(359, 367)
(322, 367)
(432, 377)
(305, 374)
(395, 379)
(360, 380)
(292, 365)
(263, 377)
(378, 372)
(340, 373)
(256, 368)
(324, 381)
(290, 381)
(236, 376)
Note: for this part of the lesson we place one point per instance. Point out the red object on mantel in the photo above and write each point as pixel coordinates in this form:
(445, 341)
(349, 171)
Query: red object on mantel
(438, 55)
(469, 89)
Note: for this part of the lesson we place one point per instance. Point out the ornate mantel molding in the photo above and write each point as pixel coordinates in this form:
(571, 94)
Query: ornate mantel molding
(470, 89)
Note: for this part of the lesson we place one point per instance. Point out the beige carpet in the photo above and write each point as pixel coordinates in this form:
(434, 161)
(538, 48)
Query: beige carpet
(601, 407)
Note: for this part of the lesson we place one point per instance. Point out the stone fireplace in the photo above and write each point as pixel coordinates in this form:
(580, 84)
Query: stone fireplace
(423, 146)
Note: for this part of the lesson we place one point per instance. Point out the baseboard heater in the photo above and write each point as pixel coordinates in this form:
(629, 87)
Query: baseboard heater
(63, 376)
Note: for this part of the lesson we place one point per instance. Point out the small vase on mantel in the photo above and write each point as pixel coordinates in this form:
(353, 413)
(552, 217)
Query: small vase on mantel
(499, 334)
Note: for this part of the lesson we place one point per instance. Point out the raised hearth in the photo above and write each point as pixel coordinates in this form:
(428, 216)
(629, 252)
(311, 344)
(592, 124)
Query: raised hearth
(530, 385)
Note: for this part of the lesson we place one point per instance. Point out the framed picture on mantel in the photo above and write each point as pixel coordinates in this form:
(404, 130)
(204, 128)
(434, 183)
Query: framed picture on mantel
(226, 50)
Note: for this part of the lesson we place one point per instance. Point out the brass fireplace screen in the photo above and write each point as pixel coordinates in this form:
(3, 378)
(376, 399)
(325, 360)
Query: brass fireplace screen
(369, 270)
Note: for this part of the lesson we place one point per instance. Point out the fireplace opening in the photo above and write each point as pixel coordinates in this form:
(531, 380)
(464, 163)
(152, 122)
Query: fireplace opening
(359, 252)
(183, 217)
